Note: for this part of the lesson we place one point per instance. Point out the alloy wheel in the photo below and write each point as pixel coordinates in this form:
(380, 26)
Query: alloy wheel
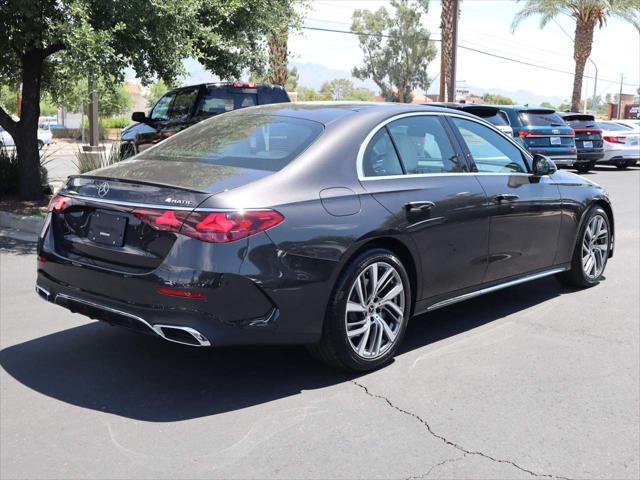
(375, 310)
(595, 247)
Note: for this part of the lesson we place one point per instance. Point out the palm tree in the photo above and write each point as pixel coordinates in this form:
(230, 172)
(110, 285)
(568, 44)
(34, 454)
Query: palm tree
(447, 18)
(587, 14)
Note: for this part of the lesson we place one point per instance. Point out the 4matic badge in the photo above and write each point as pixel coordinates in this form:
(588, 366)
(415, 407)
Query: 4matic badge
(178, 201)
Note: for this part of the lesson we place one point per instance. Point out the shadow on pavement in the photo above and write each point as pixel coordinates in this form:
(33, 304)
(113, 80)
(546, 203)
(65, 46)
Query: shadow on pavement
(17, 247)
(109, 369)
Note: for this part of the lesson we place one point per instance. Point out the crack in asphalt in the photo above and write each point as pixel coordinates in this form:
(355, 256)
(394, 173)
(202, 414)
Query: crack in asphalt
(449, 442)
(433, 467)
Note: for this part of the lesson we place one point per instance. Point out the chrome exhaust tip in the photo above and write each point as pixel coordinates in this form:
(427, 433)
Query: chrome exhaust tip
(183, 335)
(43, 292)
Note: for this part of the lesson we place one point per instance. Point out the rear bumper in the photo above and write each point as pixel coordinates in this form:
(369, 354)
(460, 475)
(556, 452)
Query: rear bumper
(590, 156)
(252, 296)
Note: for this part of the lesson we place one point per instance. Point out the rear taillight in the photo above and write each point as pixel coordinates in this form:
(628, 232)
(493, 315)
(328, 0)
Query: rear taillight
(614, 139)
(243, 85)
(221, 227)
(214, 227)
(531, 133)
(59, 203)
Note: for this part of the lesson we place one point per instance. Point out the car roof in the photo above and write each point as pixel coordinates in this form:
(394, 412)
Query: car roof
(228, 84)
(330, 112)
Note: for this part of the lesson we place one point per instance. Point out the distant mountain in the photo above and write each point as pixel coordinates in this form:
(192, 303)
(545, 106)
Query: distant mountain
(314, 75)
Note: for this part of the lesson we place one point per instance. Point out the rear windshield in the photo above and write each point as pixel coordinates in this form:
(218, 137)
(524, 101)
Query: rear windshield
(259, 142)
(220, 100)
(613, 126)
(499, 118)
(540, 118)
(582, 123)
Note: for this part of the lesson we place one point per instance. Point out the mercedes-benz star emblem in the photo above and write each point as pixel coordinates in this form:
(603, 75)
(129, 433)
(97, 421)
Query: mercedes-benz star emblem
(103, 189)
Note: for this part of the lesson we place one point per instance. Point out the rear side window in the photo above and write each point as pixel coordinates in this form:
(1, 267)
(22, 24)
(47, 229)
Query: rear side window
(380, 158)
(540, 118)
(491, 152)
(220, 100)
(423, 145)
(260, 142)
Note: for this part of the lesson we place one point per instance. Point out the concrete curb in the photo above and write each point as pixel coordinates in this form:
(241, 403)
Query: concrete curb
(24, 223)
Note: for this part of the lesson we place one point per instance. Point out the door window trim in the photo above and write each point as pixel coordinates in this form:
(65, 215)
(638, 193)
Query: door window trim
(455, 143)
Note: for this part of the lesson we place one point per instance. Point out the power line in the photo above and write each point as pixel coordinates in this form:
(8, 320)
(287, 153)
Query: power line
(515, 60)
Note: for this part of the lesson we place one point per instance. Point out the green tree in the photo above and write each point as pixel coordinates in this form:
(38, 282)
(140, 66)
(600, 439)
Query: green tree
(338, 89)
(587, 14)
(547, 105)
(397, 49)
(49, 44)
(496, 99)
(308, 94)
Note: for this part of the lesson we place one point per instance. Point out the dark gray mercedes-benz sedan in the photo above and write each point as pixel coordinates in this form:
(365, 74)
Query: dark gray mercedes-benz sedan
(327, 224)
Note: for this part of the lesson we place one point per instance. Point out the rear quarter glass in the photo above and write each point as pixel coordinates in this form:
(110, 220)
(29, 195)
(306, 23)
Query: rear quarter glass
(247, 141)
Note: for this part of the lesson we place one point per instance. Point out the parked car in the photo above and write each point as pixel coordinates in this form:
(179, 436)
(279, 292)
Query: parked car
(588, 139)
(491, 114)
(186, 106)
(543, 131)
(318, 224)
(44, 138)
(635, 124)
(621, 144)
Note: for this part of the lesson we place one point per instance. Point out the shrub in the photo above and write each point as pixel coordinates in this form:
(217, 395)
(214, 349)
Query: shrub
(86, 162)
(9, 175)
(115, 122)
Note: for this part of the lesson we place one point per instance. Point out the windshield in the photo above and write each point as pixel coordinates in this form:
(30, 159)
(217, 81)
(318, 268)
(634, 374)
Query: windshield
(259, 142)
(541, 118)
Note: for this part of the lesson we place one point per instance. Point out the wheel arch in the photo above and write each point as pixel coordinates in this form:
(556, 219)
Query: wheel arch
(404, 254)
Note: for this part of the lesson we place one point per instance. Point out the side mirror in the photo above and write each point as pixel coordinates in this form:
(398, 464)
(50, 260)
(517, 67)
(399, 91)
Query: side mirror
(543, 165)
(139, 117)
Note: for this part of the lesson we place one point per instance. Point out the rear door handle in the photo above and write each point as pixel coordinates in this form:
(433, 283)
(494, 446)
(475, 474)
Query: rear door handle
(505, 197)
(416, 207)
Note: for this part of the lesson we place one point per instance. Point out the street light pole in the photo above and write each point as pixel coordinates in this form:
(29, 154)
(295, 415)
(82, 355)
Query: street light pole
(595, 86)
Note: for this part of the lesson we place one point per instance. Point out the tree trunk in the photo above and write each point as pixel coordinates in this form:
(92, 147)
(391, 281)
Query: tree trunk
(581, 51)
(26, 137)
(446, 46)
(278, 58)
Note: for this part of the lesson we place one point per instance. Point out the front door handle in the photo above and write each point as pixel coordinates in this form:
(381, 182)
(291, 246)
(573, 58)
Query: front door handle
(417, 207)
(505, 197)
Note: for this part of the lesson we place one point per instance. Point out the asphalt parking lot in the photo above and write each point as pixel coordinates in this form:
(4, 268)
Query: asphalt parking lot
(537, 380)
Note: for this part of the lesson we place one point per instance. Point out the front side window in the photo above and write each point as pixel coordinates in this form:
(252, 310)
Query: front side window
(260, 142)
(491, 151)
(161, 111)
(380, 158)
(183, 105)
(424, 145)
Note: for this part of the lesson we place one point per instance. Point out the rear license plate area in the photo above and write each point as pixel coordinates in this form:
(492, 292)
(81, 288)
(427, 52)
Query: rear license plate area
(107, 229)
(587, 144)
(556, 141)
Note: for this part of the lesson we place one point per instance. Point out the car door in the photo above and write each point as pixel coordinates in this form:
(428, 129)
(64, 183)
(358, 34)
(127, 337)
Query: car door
(525, 210)
(413, 168)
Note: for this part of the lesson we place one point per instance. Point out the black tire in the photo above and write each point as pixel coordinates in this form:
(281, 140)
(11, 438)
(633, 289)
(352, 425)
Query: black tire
(584, 167)
(334, 348)
(622, 165)
(576, 276)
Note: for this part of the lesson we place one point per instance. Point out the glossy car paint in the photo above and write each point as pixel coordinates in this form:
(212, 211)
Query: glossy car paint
(586, 131)
(273, 287)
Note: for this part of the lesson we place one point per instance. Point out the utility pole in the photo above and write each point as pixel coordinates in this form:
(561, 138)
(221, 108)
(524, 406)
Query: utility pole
(595, 95)
(451, 90)
(620, 97)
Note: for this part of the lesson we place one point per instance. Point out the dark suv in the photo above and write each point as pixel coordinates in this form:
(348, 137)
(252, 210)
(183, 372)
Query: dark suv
(542, 130)
(588, 139)
(182, 107)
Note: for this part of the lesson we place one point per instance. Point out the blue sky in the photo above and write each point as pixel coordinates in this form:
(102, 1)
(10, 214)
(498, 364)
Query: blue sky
(486, 25)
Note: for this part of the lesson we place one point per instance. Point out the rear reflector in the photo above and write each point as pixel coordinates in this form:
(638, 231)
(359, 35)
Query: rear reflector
(213, 227)
(181, 293)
